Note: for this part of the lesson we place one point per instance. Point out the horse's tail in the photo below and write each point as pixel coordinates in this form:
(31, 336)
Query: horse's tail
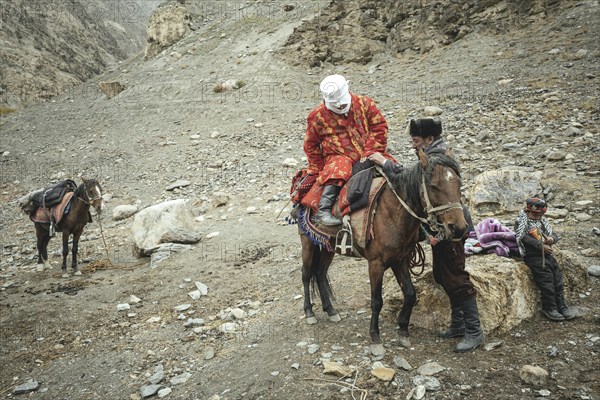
(316, 269)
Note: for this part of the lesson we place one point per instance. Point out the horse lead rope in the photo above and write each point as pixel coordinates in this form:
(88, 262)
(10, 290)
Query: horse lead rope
(103, 239)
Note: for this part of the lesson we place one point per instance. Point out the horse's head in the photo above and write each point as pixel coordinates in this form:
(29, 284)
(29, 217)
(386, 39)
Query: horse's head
(92, 194)
(440, 193)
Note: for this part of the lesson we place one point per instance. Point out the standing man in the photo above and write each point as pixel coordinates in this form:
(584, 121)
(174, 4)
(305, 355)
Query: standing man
(448, 255)
(343, 129)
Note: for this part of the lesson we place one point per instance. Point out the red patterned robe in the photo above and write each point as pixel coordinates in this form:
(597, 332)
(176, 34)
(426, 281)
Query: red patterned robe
(333, 143)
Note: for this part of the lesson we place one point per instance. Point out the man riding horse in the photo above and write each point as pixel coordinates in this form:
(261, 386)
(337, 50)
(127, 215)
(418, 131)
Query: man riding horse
(344, 129)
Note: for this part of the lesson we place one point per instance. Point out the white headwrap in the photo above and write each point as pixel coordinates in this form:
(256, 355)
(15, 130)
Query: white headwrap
(335, 92)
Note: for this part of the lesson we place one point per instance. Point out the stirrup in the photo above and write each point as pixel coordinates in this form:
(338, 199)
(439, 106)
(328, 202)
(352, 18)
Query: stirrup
(344, 241)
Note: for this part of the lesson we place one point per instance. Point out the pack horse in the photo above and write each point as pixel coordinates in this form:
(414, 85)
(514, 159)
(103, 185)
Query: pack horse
(65, 208)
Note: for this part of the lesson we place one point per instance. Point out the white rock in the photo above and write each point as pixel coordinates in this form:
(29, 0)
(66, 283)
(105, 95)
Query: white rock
(153, 320)
(179, 379)
(251, 210)
(228, 327)
(238, 313)
(432, 111)
(168, 222)
(134, 299)
(430, 369)
(534, 375)
(182, 307)
(123, 307)
(179, 183)
(212, 235)
(164, 392)
(123, 212)
(195, 295)
(290, 162)
(202, 288)
(503, 190)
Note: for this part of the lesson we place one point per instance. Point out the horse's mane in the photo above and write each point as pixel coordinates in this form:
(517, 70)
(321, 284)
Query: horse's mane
(438, 157)
(408, 181)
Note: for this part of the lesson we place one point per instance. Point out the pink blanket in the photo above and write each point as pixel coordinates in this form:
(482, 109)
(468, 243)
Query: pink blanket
(493, 237)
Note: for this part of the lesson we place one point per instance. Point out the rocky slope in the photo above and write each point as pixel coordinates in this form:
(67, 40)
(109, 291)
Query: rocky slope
(48, 46)
(524, 98)
(356, 31)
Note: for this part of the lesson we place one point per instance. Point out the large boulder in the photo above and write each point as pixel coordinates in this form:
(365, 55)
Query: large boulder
(168, 222)
(504, 190)
(507, 294)
(167, 25)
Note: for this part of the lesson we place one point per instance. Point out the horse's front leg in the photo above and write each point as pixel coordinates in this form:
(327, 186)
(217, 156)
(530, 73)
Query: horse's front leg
(376, 271)
(325, 260)
(74, 265)
(65, 253)
(402, 274)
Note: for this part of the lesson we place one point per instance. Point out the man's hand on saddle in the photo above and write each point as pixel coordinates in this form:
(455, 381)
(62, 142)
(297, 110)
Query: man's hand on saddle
(377, 158)
(549, 240)
(548, 249)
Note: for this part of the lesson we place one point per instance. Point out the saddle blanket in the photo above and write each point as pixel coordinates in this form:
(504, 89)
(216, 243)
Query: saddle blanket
(361, 220)
(43, 215)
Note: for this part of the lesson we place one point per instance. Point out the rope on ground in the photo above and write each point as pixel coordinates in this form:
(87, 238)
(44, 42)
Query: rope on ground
(104, 240)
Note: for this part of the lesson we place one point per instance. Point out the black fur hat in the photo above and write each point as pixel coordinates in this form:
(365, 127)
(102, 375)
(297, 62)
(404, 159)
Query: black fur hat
(425, 127)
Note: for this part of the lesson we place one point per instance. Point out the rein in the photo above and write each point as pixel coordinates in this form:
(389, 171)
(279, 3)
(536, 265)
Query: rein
(432, 212)
(89, 202)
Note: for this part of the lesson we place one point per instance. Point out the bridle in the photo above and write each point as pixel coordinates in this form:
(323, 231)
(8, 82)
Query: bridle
(432, 212)
(89, 200)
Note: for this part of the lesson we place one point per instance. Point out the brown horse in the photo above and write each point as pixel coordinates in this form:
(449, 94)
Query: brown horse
(89, 193)
(431, 188)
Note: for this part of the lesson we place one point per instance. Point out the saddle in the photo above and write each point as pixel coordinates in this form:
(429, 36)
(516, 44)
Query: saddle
(52, 195)
(357, 227)
(53, 215)
(50, 204)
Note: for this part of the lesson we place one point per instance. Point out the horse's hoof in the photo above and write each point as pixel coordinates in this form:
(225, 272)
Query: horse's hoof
(77, 273)
(311, 320)
(65, 275)
(335, 318)
(377, 350)
(405, 342)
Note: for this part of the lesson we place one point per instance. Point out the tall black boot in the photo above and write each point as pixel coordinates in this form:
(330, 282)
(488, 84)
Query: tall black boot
(549, 305)
(563, 307)
(328, 198)
(473, 334)
(457, 324)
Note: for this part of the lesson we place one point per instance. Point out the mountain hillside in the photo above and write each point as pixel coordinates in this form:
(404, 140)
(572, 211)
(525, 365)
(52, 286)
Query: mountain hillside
(47, 46)
(216, 114)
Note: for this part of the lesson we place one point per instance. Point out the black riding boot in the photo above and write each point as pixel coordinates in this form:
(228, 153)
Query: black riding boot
(549, 305)
(457, 324)
(563, 307)
(328, 198)
(473, 334)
